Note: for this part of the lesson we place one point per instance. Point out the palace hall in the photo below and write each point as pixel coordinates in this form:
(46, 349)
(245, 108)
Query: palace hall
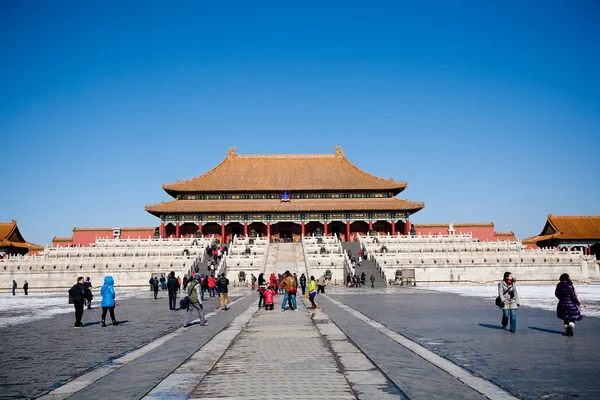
(284, 197)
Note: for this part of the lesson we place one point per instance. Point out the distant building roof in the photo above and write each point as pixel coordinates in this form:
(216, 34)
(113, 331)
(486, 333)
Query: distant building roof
(468, 225)
(292, 172)
(11, 237)
(570, 228)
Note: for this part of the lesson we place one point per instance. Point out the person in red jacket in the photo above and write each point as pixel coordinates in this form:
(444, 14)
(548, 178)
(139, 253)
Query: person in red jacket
(211, 286)
(269, 298)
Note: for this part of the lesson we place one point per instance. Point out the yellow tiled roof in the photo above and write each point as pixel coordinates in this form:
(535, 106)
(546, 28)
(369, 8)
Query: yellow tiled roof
(293, 172)
(321, 205)
(571, 227)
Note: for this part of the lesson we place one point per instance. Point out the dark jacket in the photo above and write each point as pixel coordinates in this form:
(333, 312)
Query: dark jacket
(568, 302)
(78, 292)
(172, 284)
(303, 280)
(222, 284)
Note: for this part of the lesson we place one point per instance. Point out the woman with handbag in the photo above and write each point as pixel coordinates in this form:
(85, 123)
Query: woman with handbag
(509, 298)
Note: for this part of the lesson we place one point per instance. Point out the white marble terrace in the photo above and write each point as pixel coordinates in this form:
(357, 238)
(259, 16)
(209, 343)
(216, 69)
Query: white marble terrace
(460, 258)
(130, 261)
(322, 253)
(245, 254)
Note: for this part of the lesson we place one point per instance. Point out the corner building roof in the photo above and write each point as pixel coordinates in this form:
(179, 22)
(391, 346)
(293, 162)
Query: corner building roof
(293, 172)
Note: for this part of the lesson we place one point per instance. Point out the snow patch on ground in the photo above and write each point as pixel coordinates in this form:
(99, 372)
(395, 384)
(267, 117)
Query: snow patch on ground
(537, 296)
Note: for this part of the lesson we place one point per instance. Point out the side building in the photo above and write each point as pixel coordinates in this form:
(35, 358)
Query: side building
(284, 197)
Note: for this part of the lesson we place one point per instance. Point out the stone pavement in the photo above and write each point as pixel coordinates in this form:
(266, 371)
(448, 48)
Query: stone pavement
(360, 343)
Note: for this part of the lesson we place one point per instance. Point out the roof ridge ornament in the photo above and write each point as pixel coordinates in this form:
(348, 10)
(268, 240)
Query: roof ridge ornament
(338, 150)
(231, 151)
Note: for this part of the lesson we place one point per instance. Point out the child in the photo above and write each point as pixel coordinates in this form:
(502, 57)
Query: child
(269, 298)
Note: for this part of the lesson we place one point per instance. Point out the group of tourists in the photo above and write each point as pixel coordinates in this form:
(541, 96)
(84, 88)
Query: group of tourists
(567, 309)
(288, 284)
(81, 293)
(14, 287)
(359, 281)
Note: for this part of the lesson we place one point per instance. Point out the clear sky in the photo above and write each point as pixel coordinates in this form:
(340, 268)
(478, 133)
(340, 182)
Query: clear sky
(490, 110)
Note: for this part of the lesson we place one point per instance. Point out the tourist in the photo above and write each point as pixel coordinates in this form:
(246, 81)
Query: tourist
(89, 295)
(222, 286)
(173, 287)
(273, 282)
(108, 300)
(321, 284)
(303, 283)
(312, 292)
(163, 283)
(288, 283)
(185, 282)
(363, 278)
(179, 282)
(372, 279)
(253, 280)
(269, 298)
(25, 287)
(203, 286)
(211, 285)
(193, 292)
(349, 280)
(568, 304)
(507, 291)
(261, 294)
(77, 293)
(14, 287)
(154, 283)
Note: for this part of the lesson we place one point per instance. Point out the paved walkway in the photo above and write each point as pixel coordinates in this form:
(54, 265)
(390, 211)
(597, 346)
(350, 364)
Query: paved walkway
(360, 344)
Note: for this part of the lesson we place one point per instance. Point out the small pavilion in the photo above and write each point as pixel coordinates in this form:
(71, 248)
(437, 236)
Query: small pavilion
(284, 197)
(12, 242)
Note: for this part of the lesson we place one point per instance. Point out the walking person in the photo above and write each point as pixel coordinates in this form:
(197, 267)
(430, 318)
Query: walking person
(194, 302)
(173, 287)
(372, 278)
(108, 300)
(78, 293)
(14, 287)
(568, 304)
(303, 283)
(26, 287)
(154, 283)
(89, 295)
(223, 285)
(509, 297)
(321, 284)
(312, 292)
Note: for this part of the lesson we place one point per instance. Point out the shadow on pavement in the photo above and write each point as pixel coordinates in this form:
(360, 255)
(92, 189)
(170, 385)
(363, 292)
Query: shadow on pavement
(491, 326)
(562, 333)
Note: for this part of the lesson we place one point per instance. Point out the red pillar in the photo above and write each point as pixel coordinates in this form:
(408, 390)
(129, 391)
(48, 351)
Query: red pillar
(245, 229)
(407, 228)
(325, 228)
(177, 229)
(222, 232)
(393, 227)
(268, 228)
(200, 227)
(302, 225)
(370, 224)
(161, 230)
(347, 231)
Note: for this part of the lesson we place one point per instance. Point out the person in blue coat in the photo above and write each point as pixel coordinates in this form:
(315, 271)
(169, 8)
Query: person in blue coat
(108, 300)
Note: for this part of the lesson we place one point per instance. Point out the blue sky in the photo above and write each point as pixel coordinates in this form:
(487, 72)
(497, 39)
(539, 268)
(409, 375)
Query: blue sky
(489, 110)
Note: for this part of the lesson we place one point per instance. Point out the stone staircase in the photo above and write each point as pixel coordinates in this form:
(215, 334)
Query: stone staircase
(367, 266)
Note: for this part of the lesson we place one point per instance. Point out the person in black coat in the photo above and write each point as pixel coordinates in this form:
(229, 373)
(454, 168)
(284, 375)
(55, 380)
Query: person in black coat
(14, 287)
(25, 287)
(78, 294)
(303, 284)
(173, 287)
